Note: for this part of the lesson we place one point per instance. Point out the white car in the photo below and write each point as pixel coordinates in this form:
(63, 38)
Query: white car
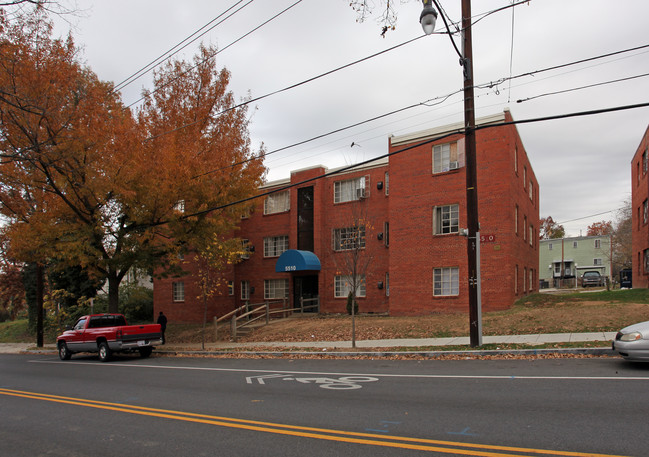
(632, 342)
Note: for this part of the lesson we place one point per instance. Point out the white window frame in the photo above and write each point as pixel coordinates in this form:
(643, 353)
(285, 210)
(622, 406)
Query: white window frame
(348, 189)
(178, 291)
(274, 246)
(446, 281)
(387, 183)
(598, 244)
(446, 219)
(598, 262)
(231, 288)
(345, 238)
(387, 284)
(278, 202)
(275, 289)
(343, 285)
(446, 157)
(245, 290)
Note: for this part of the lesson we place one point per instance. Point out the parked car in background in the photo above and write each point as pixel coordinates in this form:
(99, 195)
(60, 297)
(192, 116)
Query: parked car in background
(592, 278)
(632, 342)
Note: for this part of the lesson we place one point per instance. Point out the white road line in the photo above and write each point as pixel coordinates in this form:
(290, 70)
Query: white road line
(326, 373)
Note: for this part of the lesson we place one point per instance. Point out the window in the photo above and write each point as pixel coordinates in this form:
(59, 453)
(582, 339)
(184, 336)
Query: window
(524, 279)
(531, 235)
(387, 284)
(549, 246)
(178, 291)
(524, 176)
(274, 246)
(351, 189)
(245, 290)
(645, 211)
(531, 191)
(524, 230)
(348, 238)
(275, 289)
(646, 260)
(180, 206)
(445, 157)
(597, 261)
(278, 202)
(387, 183)
(575, 244)
(516, 219)
(386, 234)
(246, 249)
(446, 219)
(598, 244)
(343, 285)
(516, 280)
(516, 159)
(645, 161)
(531, 281)
(446, 281)
(231, 288)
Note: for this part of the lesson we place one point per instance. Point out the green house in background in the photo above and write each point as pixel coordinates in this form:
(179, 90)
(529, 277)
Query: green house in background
(562, 261)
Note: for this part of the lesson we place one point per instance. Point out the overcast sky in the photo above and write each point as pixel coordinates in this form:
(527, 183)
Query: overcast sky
(582, 164)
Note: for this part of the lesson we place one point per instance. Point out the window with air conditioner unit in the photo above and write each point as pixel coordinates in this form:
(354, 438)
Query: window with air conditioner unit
(352, 189)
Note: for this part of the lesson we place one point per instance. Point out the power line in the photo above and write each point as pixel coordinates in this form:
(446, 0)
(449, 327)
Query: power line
(592, 215)
(583, 87)
(218, 52)
(375, 118)
(177, 48)
(423, 143)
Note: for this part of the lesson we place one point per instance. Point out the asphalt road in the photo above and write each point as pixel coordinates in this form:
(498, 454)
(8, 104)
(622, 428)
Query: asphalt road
(240, 407)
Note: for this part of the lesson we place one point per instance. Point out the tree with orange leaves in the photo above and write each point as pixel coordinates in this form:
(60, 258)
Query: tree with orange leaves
(84, 181)
(600, 228)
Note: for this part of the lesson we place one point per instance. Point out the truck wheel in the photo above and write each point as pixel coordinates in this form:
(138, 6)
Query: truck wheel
(64, 352)
(145, 352)
(104, 351)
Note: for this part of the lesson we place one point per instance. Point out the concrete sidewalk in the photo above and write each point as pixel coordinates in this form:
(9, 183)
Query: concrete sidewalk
(534, 339)
(383, 345)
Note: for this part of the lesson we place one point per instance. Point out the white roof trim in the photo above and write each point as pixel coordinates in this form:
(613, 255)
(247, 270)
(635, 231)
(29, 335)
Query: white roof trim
(458, 127)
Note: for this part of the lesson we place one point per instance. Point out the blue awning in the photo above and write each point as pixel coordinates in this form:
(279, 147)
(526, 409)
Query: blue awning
(294, 260)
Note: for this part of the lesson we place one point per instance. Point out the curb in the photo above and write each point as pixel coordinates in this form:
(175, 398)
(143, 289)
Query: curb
(600, 352)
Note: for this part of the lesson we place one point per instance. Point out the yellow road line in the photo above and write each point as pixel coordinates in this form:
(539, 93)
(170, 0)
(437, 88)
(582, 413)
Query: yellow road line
(401, 442)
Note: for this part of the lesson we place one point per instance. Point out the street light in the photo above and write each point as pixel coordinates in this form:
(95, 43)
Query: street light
(427, 19)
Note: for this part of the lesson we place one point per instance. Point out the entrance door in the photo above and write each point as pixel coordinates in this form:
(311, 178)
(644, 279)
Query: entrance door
(305, 287)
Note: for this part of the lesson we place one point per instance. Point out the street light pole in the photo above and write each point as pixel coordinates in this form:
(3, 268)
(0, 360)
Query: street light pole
(466, 60)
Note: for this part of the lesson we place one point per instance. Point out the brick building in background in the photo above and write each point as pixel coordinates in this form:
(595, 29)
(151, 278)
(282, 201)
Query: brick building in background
(640, 213)
(412, 207)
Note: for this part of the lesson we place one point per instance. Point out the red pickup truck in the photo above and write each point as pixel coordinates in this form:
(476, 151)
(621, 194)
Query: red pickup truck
(108, 333)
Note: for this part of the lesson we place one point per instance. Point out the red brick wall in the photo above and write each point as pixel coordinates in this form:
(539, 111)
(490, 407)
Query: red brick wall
(640, 231)
(413, 252)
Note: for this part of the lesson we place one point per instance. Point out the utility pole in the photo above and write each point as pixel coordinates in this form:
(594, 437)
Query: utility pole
(475, 336)
(427, 20)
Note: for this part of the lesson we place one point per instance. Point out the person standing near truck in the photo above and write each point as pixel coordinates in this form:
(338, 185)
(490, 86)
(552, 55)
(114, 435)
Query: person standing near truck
(162, 320)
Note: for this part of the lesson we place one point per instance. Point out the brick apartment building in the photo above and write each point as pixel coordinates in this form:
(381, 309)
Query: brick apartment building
(640, 213)
(409, 210)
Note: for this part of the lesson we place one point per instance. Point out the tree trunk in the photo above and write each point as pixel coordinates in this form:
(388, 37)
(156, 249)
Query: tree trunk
(39, 304)
(354, 321)
(113, 293)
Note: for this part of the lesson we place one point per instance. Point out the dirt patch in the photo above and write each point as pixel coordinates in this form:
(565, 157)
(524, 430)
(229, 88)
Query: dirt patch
(556, 316)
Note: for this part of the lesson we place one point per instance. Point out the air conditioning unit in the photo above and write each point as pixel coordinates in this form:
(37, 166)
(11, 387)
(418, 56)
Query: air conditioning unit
(360, 193)
(453, 165)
